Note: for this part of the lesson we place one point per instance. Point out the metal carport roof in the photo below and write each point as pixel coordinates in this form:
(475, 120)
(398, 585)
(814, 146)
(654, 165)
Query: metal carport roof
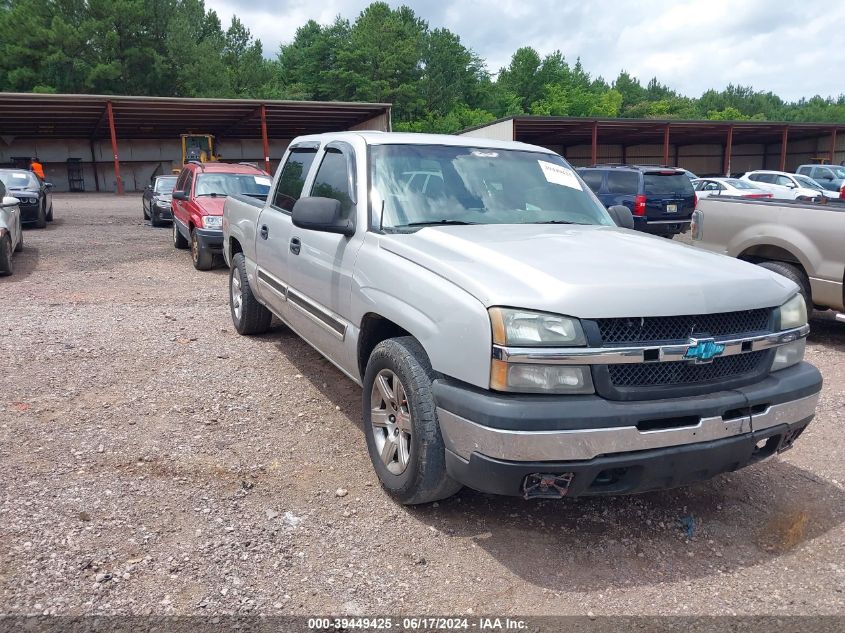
(33, 115)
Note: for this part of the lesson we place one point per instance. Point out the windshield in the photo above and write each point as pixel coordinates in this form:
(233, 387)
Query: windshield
(165, 185)
(218, 184)
(418, 185)
(838, 172)
(18, 180)
(657, 184)
(807, 182)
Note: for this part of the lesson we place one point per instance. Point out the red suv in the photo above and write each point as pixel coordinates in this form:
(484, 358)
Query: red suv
(198, 198)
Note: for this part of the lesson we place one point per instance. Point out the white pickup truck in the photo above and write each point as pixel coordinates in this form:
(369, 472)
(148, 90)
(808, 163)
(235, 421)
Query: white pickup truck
(508, 335)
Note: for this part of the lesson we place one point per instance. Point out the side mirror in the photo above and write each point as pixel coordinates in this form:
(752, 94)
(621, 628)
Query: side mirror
(179, 195)
(9, 201)
(148, 187)
(321, 214)
(48, 185)
(622, 216)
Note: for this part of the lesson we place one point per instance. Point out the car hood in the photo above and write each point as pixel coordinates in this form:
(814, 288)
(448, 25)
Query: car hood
(588, 271)
(209, 205)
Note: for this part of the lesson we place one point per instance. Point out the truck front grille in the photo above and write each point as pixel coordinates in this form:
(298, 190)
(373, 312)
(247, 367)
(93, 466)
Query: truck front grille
(639, 330)
(685, 373)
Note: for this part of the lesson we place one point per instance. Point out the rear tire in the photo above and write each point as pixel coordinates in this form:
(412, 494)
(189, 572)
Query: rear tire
(793, 273)
(6, 256)
(179, 240)
(202, 258)
(400, 424)
(248, 315)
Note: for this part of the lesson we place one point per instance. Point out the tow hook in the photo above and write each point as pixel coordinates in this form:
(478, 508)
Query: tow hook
(546, 485)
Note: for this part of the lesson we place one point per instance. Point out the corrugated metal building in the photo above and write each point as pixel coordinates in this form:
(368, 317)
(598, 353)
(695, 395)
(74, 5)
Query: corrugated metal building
(704, 147)
(139, 137)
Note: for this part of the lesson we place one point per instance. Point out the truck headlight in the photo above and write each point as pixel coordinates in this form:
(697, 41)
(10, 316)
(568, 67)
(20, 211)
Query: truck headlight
(212, 221)
(524, 328)
(793, 313)
(530, 378)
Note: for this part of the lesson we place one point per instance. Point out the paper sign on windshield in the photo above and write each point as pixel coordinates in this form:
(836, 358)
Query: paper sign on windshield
(559, 175)
(262, 180)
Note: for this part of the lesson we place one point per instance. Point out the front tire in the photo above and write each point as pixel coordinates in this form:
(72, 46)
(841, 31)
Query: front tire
(19, 247)
(41, 220)
(154, 219)
(50, 214)
(793, 273)
(202, 258)
(248, 315)
(144, 208)
(6, 256)
(179, 240)
(400, 423)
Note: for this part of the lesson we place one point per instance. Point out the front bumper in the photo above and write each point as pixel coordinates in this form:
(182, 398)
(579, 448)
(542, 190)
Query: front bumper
(163, 212)
(495, 441)
(29, 212)
(210, 239)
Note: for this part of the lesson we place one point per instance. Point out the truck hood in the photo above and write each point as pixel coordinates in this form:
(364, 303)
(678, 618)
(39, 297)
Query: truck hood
(588, 271)
(210, 205)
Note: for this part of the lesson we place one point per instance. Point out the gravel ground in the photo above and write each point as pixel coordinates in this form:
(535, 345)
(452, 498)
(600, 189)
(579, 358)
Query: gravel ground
(153, 461)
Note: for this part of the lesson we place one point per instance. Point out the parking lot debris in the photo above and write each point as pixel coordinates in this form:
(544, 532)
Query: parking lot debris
(688, 525)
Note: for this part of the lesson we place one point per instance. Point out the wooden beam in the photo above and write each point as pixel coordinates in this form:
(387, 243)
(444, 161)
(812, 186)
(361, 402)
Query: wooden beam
(594, 154)
(666, 145)
(832, 146)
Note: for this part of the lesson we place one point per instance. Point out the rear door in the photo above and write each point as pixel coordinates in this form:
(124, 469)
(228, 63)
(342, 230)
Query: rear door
(669, 195)
(321, 264)
(273, 233)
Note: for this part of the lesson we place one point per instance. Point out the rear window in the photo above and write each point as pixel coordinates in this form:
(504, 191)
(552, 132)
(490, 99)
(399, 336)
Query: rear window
(740, 184)
(592, 177)
(624, 182)
(667, 184)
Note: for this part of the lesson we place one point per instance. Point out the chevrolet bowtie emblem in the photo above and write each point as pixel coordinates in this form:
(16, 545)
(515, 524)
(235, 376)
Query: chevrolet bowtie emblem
(703, 350)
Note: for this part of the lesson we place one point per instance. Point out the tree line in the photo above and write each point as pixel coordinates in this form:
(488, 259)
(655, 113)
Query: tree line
(435, 83)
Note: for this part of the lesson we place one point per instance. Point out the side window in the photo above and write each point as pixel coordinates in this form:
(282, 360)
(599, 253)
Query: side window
(783, 180)
(292, 178)
(180, 181)
(625, 182)
(189, 182)
(332, 180)
(592, 177)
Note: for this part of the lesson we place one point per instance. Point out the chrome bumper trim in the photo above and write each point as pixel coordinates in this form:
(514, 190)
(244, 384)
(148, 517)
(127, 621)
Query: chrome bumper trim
(464, 437)
(621, 355)
(687, 221)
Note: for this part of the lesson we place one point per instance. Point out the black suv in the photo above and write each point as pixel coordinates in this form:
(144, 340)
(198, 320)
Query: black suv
(661, 199)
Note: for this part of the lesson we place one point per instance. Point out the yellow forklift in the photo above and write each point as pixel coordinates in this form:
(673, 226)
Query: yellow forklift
(198, 148)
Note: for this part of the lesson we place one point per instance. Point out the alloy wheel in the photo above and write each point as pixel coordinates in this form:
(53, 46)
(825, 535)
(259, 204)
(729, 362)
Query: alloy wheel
(391, 421)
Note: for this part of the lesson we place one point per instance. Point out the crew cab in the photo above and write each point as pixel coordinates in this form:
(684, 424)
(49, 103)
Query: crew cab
(509, 334)
(197, 202)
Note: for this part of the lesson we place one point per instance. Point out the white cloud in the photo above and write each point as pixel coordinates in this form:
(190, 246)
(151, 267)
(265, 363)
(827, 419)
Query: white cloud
(790, 47)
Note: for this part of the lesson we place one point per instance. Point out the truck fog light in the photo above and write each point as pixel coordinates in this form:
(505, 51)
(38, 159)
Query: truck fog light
(526, 378)
(789, 354)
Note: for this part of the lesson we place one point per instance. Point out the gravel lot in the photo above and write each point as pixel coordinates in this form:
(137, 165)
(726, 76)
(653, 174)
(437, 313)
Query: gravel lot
(153, 461)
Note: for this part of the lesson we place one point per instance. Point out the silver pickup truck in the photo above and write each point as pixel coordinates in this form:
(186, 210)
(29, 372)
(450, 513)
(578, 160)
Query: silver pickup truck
(507, 334)
(802, 241)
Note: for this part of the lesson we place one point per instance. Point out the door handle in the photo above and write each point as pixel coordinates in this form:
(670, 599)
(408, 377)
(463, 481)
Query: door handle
(264, 232)
(295, 245)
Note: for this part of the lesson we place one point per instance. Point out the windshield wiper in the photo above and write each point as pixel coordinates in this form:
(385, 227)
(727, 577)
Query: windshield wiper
(438, 222)
(561, 222)
(213, 194)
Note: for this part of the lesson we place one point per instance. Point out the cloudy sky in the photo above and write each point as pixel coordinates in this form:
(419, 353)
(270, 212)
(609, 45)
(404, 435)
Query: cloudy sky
(792, 48)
